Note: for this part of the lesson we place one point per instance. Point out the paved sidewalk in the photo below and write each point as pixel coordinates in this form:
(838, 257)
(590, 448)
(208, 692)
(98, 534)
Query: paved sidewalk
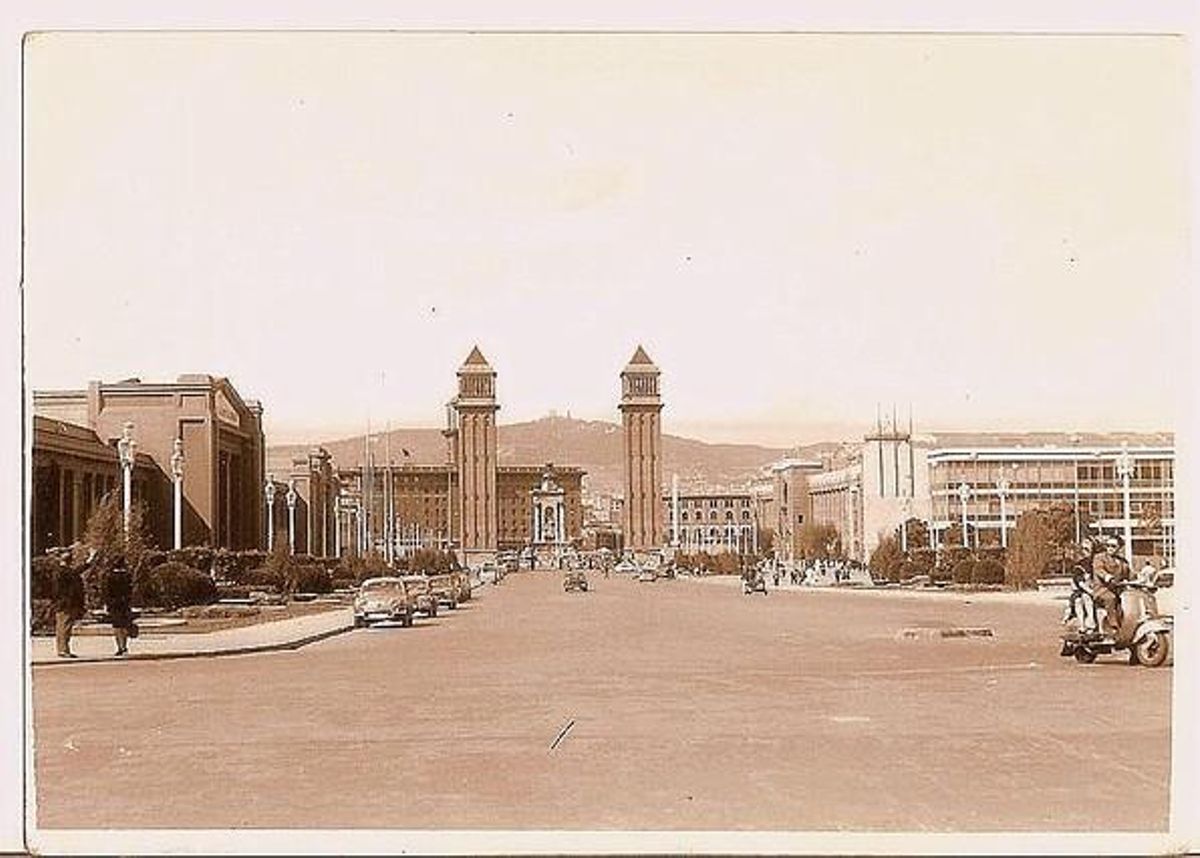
(262, 637)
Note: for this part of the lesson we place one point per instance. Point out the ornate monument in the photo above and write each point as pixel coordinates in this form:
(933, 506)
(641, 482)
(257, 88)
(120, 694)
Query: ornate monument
(549, 519)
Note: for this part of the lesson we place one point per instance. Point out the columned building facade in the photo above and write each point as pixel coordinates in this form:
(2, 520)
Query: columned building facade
(641, 419)
(713, 522)
(221, 438)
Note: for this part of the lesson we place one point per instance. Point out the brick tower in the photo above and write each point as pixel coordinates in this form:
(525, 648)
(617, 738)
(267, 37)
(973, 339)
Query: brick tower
(641, 407)
(474, 440)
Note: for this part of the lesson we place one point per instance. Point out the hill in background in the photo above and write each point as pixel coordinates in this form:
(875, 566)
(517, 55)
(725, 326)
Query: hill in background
(594, 445)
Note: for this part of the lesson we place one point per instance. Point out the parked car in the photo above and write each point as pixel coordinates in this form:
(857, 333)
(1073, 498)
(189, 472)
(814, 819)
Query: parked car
(627, 566)
(575, 579)
(444, 591)
(381, 599)
(491, 573)
(647, 575)
(423, 598)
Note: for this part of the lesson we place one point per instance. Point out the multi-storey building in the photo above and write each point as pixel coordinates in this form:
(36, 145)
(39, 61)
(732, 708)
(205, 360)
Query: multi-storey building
(471, 505)
(992, 479)
(712, 522)
(1122, 485)
(220, 436)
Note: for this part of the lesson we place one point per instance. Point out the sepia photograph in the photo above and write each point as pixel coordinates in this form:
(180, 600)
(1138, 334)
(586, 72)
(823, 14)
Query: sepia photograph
(632, 440)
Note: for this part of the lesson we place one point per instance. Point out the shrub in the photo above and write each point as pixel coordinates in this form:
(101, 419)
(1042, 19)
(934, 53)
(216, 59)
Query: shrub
(307, 579)
(199, 557)
(263, 576)
(359, 569)
(988, 571)
(43, 573)
(41, 616)
(963, 571)
(171, 586)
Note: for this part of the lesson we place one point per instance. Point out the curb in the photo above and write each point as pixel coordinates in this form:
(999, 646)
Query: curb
(214, 653)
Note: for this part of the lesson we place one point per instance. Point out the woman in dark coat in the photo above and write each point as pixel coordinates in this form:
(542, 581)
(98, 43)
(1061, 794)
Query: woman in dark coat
(118, 596)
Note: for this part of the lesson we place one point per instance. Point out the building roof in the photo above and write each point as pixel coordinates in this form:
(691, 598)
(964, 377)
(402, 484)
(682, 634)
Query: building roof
(476, 358)
(1047, 439)
(640, 357)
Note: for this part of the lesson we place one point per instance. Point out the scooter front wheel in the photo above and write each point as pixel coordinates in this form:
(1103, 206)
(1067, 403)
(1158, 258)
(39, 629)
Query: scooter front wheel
(1153, 649)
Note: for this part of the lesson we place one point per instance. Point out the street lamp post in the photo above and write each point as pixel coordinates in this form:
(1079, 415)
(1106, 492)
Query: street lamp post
(269, 493)
(964, 494)
(337, 529)
(177, 476)
(1002, 488)
(1125, 471)
(905, 510)
(291, 505)
(127, 451)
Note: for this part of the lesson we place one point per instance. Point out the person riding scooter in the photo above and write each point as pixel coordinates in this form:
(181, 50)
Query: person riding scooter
(1110, 571)
(1081, 605)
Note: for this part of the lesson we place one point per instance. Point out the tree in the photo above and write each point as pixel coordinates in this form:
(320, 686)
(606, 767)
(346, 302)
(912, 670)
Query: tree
(819, 541)
(1038, 544)
(953, 535)
(105, 543)
(916, 534)
(886, 559)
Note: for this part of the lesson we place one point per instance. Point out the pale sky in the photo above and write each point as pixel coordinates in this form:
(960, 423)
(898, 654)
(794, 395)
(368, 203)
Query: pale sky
(991, 228)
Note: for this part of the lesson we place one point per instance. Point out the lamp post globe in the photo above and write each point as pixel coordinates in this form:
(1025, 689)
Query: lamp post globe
(127, 453)
(291, 507)
(269, 493)
(177, 462)
(1003, 487)
(1125, 466)
(964, 495)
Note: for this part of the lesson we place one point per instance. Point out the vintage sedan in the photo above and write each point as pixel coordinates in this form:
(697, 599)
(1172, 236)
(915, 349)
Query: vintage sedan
(444, 591)
(423, 598)
(575, 579)
(383, 599)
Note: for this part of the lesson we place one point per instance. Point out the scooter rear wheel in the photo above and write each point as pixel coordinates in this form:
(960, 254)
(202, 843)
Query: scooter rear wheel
(1083, 655)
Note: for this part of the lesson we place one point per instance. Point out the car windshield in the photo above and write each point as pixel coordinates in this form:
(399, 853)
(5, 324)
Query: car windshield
(378, 587)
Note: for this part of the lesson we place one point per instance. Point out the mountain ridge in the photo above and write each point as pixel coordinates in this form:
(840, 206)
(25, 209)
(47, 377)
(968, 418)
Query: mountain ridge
(594, 445)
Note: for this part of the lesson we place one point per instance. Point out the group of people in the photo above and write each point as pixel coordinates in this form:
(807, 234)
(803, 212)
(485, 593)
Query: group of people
(1098, 572)
(70, 605)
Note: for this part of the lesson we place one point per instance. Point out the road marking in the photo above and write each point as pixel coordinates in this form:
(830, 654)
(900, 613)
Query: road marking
(562, 734)
(849, 719)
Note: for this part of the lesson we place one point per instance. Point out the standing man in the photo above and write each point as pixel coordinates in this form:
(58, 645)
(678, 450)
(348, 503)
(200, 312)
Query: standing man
(68, 606)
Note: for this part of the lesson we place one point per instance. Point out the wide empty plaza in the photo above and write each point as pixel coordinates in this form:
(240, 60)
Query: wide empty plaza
(669, 705)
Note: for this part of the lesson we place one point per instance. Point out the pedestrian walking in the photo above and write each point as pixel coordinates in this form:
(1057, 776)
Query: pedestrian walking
(68, 606)
(118, 596)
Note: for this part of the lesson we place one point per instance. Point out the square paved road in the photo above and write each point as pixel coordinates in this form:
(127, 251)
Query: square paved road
(693, 707)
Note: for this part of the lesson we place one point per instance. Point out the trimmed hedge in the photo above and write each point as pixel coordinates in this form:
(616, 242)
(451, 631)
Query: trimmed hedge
(988, 571)
(172, 585)
(307, 579)
(964, 571)
(263, 576)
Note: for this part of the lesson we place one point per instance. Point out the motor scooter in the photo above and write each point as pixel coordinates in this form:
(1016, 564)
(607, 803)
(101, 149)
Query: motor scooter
(1142, 631)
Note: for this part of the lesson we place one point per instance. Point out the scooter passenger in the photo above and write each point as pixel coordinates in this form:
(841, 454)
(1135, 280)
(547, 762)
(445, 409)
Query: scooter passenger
(1081, 604)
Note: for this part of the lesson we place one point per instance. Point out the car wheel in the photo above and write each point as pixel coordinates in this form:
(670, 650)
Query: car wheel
(358, 622)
